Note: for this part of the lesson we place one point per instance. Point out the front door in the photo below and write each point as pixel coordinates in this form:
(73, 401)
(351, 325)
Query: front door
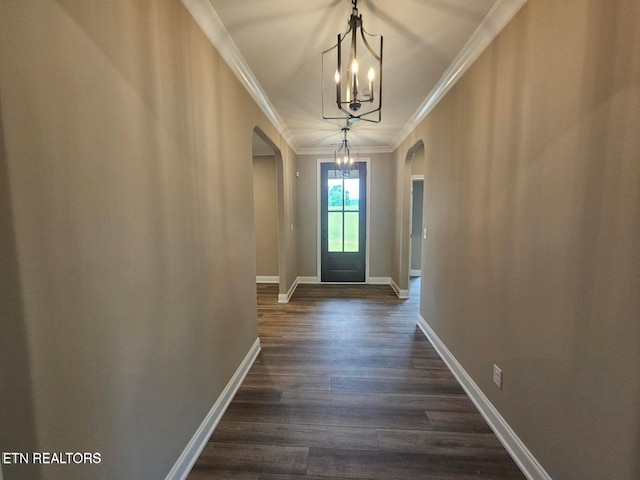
(343, 224)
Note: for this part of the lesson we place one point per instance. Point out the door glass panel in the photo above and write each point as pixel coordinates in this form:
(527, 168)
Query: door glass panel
(335, 231)
(335, 194)
(351, 193)
(351, 225)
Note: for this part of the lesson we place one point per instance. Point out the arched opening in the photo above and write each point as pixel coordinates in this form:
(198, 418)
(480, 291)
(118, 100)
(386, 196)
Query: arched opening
(268, 199)
(412, 229)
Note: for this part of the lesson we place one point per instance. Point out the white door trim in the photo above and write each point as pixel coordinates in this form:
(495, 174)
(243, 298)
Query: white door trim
(320, 161)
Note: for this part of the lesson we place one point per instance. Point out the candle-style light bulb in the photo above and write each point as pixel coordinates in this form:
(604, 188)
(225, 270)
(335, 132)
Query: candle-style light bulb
(336, 77)
(354, 66)
(371, 75)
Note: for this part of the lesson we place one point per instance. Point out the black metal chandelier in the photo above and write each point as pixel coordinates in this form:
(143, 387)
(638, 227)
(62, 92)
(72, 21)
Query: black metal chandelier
(344, 156)
(354, 99)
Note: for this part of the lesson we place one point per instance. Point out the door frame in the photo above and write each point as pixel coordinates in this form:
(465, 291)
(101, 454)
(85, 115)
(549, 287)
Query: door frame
(320, 161)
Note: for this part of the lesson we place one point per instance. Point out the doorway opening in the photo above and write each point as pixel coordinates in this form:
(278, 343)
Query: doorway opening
(343, 223)
(268, 204)
(412, 232)
(415, 245)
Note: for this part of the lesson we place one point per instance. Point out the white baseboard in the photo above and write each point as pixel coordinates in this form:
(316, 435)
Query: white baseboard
(402, 294)
(188, 458)
(511, 442)
(267, 279)
(285, 297)
(370, 281)
(379, 281)
(308, 280)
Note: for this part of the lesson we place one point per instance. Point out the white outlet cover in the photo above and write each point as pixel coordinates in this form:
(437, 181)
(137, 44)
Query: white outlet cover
(497, 376)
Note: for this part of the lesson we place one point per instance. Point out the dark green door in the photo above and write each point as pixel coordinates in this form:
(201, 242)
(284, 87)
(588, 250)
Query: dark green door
(343, 208)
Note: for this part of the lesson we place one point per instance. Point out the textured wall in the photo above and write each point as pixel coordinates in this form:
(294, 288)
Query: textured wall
(532, 200)
(127, 239)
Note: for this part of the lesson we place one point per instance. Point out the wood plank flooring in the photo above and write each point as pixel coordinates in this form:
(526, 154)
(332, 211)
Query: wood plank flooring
(347, 387)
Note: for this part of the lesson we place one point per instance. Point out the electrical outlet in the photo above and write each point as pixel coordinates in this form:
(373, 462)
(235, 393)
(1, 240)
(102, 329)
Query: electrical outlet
(497, 376)
(425, 232)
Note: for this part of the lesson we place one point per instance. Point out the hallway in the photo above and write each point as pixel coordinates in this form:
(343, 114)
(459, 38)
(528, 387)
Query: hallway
(346, 386)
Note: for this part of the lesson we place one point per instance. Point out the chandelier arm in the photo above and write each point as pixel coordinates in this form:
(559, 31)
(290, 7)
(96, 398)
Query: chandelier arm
(329, 49)
(343, 35)
(366, 43)
(364, 119)
(361, 117)
(339, 82)
(380, 80)
(336, 118)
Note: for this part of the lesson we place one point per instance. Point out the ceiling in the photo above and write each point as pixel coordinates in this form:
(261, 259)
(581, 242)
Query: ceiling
(275, 47)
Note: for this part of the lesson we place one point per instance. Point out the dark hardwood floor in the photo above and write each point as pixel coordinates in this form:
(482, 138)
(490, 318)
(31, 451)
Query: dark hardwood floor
(347, 387)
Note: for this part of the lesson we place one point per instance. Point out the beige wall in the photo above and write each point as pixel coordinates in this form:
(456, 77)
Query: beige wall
(417, 202)
(532, 199)
(18, 432)
(417, 162)
(128, 253)
(381, 204)
(265, 201)
(307, 199)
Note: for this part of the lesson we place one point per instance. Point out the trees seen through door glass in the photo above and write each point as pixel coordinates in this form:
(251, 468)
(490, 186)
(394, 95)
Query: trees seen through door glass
(344, 211)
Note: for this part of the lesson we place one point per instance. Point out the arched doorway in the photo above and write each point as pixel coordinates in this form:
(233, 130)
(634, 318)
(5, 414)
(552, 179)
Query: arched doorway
(268, 198)
(411, 234)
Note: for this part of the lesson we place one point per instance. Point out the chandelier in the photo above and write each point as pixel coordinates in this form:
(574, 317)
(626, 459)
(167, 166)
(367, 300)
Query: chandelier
(344, 156)
(354, 99)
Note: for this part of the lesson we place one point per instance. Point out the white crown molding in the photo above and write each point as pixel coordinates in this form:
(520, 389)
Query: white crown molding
(495, 21)
(208, 20)
(359, 150)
